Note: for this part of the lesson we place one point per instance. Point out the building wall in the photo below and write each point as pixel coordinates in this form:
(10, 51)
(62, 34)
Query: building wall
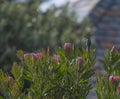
(106, 19)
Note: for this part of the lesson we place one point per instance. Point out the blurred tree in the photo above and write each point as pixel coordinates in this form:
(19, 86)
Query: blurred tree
(24, 26)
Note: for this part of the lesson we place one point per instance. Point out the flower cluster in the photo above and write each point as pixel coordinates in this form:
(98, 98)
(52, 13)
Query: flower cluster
(114, 79)
(36, 56)
(49, 76)
(56, 58)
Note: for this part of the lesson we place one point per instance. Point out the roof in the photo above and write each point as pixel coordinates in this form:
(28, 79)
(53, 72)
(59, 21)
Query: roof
(82, 8)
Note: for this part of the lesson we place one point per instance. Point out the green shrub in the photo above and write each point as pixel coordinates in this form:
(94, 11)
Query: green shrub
(108, 86)
(42, 75)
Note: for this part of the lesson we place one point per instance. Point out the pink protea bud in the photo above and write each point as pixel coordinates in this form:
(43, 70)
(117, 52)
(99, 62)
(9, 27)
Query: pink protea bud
(67, 47)
(113, 79)
(79, 62)
(28, 55)
(56, 58)
(118, 89)
(36, 56)
(113, 49)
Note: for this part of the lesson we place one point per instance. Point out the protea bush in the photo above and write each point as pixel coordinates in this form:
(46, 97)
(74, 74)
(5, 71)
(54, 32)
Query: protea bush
(64, 74)
(108, 84)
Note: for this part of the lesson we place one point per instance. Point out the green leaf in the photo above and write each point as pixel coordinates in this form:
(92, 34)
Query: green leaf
(17, 72)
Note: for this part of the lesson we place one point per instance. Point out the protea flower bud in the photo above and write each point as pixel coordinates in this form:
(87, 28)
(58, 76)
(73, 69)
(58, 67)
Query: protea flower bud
(118, 89)
(28, 55)
(56, 58)
(37, 56)
(113, 79)
(67, 47)
(79, 62)
(113, 49)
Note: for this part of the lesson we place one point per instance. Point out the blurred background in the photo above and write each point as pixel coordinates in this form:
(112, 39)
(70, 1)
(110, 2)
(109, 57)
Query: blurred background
(34, 24)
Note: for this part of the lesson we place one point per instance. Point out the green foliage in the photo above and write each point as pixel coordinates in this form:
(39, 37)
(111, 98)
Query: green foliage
(111, 62)
(49, 79)
(105, 89)
(108, 83)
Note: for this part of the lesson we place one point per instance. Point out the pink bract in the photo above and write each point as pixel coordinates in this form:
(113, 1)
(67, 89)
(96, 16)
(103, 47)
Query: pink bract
(67, 47)
(79, 62)
(28, 55)
(118, 89)
(113, 79)
(37, 56)
(56, 58)
(113, 49)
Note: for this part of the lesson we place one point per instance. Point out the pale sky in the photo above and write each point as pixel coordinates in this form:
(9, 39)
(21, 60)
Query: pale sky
(46, 5)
